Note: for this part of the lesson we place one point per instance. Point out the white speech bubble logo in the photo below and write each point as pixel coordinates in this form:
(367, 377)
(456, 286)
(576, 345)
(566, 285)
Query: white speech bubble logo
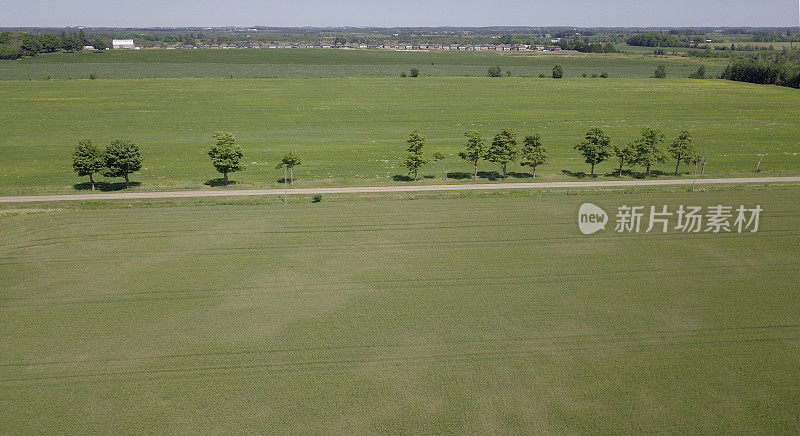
(591, 218)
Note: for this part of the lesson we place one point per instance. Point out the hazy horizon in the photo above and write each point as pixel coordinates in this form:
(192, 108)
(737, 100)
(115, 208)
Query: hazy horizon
(412, 13)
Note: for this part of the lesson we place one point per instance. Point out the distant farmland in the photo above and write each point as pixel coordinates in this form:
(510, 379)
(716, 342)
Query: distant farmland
(333, 63)
(353, 131)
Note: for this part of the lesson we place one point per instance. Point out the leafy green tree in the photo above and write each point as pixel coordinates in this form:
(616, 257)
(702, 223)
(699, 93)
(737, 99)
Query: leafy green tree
(71, 42)
(495, 72)
(122, 158)
(503, 149)
(289, 161)
(558, 72)
(99, 44)
(225, 154)
(661, 72)
(8, 51)
(29, 44)
(647, 149)
(625, 156)
(438, 156)
(87, 160)
(533, 152)
(416, 158)
(475, 149)
(595, 147)
(682, 149)
(414, 72)
(50, 43)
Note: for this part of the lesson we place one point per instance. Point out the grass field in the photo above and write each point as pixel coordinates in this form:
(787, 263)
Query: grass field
(353, 131)
(332, 63)
(456, 313)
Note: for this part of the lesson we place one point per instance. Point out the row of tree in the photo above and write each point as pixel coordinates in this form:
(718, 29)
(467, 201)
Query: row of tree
(226, 157)
(119, 159)
(652, 40)
(596, 148)
(122, 158)
(17, 45)
(765, 73)
(645, 151)
(503, 150)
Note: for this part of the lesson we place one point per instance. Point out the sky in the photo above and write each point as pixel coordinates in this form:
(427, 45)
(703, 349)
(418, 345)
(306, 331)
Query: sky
(399, 13)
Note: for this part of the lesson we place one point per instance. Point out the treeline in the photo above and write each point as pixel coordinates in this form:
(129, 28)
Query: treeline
(764, 73)
(17, 45)
(652, 40)
(584, 46)
(122, 158)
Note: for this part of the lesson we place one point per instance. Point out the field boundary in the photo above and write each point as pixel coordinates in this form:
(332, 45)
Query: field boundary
(380, 189)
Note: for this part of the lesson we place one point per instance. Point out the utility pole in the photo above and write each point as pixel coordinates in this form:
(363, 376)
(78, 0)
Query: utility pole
(695, 173)
(285, 186)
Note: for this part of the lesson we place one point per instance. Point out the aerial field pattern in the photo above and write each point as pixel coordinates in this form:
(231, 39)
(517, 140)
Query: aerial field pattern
(437, 314)
(353, 131)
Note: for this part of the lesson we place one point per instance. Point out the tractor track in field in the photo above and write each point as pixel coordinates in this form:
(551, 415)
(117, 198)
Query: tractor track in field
(390, 189)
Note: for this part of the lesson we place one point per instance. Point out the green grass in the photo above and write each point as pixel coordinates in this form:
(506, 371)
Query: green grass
(330, 63)
(353, 131)
(439, 314)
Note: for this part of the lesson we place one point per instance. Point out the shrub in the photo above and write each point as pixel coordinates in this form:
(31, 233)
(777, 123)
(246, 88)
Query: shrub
(414, 72)
(92, 76)
(604, 75)
(316, 198)
(699, 74)
(558, 72)
(495, 72)
(661, 72)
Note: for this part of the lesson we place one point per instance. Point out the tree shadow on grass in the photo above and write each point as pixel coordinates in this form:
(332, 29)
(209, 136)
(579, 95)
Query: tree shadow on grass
(576, 174)
(519, 175)
(104, 186)
(402, 178)
(219, 181)
(653, 174)
(459, 175)
(615, 173)
(491, 175)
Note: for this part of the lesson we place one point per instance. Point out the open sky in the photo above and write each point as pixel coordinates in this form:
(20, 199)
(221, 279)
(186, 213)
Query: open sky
(389, 13)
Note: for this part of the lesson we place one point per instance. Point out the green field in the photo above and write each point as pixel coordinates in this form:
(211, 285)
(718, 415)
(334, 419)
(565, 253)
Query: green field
(331, 63)
(448, 313)
(353, 131)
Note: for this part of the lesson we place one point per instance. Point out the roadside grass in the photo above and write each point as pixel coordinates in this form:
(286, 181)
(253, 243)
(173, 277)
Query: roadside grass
(352, 132)
(441, 313)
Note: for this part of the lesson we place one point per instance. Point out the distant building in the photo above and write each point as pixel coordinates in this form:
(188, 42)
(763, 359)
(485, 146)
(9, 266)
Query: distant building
(88, 47)
(123, 43)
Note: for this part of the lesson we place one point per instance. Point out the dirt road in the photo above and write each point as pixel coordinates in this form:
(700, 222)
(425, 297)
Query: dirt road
(378, 189)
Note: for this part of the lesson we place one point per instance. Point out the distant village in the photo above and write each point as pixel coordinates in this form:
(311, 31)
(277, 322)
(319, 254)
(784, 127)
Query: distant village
(129, 44)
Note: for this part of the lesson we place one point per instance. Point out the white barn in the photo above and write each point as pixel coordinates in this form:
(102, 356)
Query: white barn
(122, 43)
